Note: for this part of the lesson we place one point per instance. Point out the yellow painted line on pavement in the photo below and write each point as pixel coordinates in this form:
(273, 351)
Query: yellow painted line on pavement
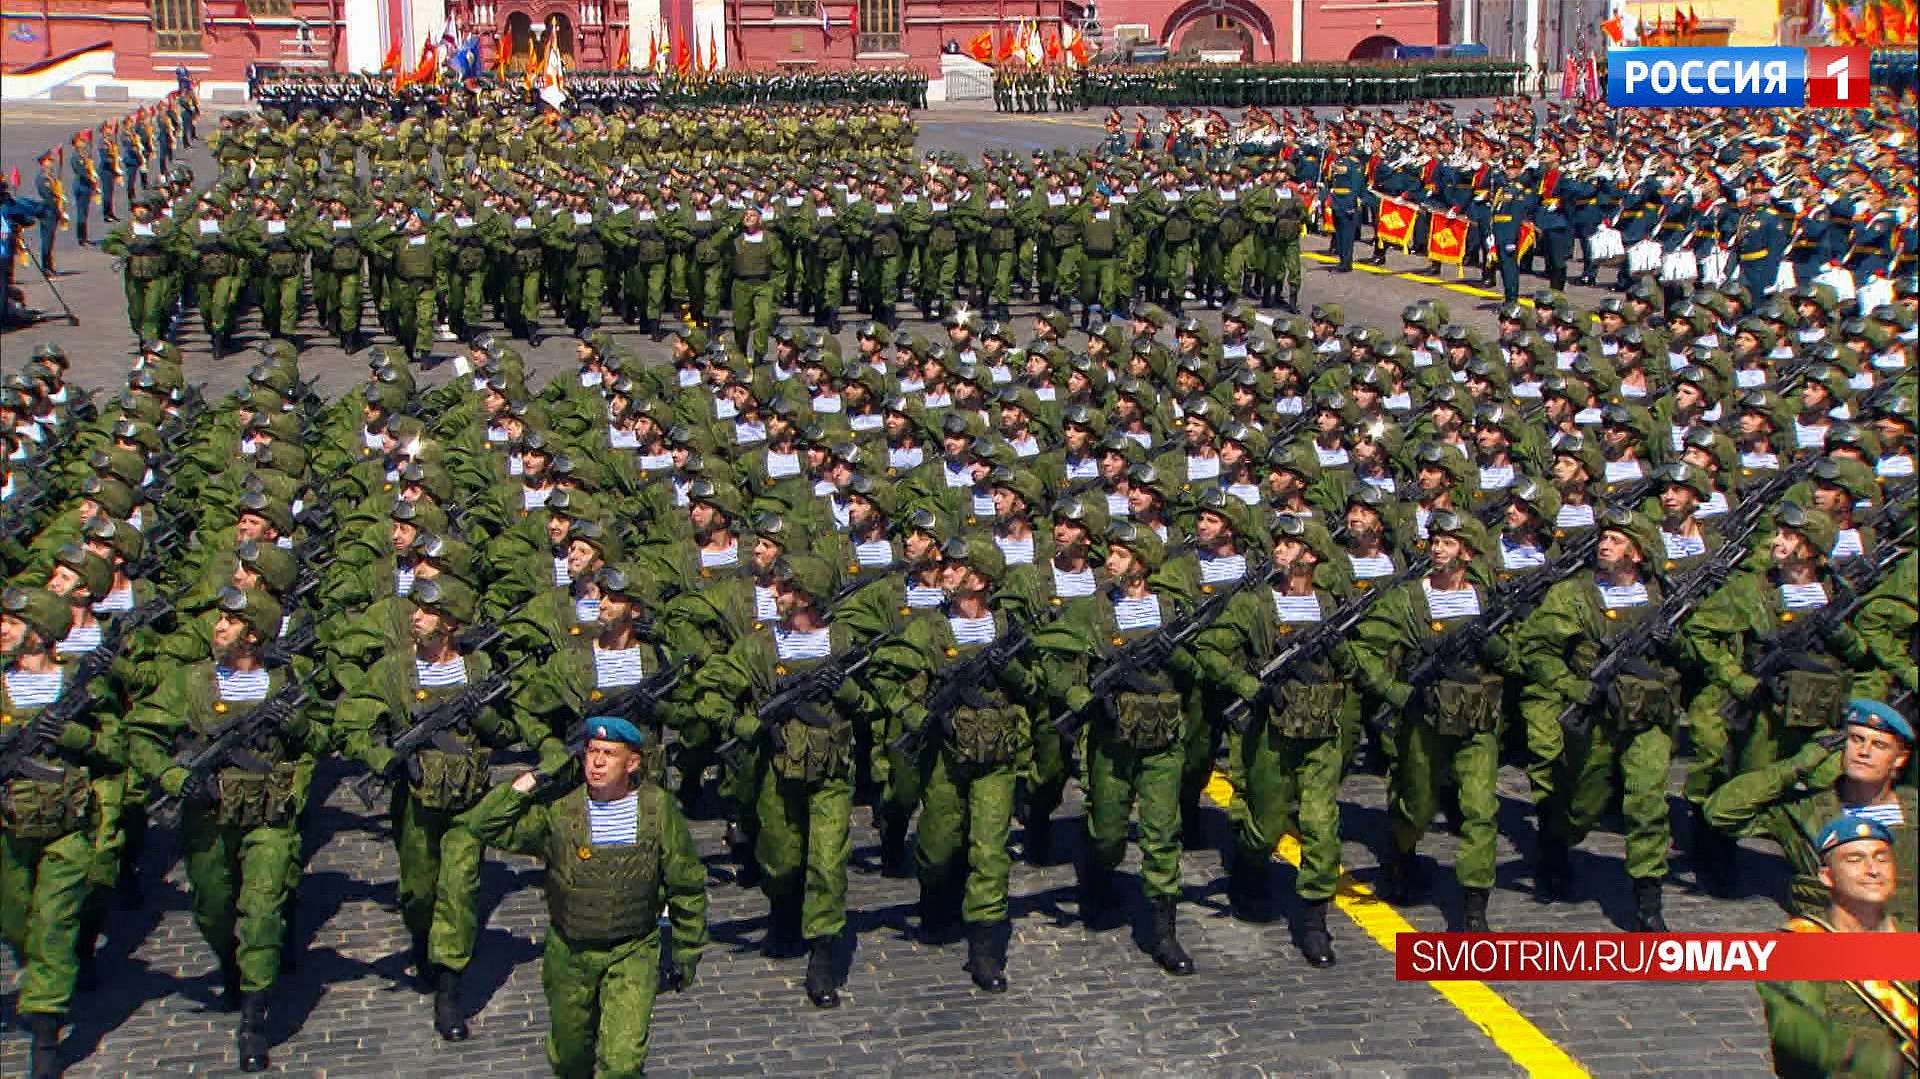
(1512, 1033)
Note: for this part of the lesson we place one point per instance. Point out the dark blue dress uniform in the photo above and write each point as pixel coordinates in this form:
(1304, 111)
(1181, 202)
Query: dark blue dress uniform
(1675, 217)
(1758, 242)
(1396, 182)
(1807, 244)
(80, 167)
(103, 150)
(1512, 205)
(1589, 202)
(1555, 225)
(1640, 207)
(1870, 245)
(49, 218)
(1346, 185)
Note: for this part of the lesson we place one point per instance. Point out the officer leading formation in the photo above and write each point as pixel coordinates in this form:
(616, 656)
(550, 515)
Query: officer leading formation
(773, 580)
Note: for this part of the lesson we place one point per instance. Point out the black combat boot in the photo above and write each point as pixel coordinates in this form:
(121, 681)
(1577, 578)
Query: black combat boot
(823, 987)
(251, 1041)
(1249, 892)
(895, 861)
(783, 928)
(417, 962)
(1293, 298)
(939, 912)
(1037, 845)
(45, 1057)
(1647, 917)
(449, 1021)
(1402, 878)
(229, 984)
(987, 956)
(1473, 916)
(1316, 943)
(533, 334)
(1379, 256)
(1552, 876)
(1713, 857)
(1099, 899)
(1166, 949)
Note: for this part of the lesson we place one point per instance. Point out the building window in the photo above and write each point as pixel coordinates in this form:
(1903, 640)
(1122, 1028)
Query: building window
(795, 9)
(270, 7)
(176, 25)
(879, 26)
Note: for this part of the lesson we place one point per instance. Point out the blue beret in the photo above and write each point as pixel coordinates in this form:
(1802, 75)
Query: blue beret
(1866, 712)
(1849, 828)
(614, 729)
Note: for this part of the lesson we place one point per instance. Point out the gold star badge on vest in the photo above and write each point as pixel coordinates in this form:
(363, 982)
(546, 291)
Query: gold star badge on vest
(585, 853)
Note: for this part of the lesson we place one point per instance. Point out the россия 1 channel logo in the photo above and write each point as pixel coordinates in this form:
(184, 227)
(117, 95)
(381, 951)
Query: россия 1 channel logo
(1741, 78)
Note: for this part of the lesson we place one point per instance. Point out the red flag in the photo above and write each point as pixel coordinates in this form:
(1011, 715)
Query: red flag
(13, 178)
(713, 52)
(980, 47)
(1078, 50)
(1447, 239)
(1054, 51)
(682, 56)
(1006, 48)
(620, 55)
(653, 49)
(1615, 29)
(1395, 222)
(392, 62)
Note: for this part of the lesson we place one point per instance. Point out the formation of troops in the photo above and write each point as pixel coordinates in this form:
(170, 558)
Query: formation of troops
(290, 94)
(945, 577)
(1291, 85)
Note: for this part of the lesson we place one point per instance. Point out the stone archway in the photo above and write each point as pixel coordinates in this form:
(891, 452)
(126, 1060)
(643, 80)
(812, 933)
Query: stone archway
(1377, 47)
(516, 37)
(1221, 24)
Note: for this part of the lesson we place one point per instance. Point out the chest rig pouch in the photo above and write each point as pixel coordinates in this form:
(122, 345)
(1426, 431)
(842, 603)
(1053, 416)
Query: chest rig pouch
(440, 779)
(812, 752)
(1811, 697)
(1463, 708)
(247, 799)
(603, 893)
(42, 809)
(1307, 709)
(1147, 715)
(344, 258)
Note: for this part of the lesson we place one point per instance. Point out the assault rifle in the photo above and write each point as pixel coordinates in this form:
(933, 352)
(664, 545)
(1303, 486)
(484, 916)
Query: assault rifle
(957, 684)
(1318, 641)
(635, 702)
(1128, 668)
(33, 739)
(1508, 604)
(435, 725)
(235, 743)
(794, 695)
(1790, 649)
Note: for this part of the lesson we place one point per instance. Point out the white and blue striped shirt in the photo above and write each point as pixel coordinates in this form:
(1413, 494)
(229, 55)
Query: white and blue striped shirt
(764, 607)
(80, 640)
(873, 553)
(120, 599)
(1846, 544)
(1801, 597)
(920, 596)
(615, 667)
(728, 556)
(562, 576)
(1453, 603)
(971, 630)
(1296, 608)
(1622, 471)
(1017, 552)
(1520, 555)
(586, 610)
(1142, 613)
(1679, 546)
(1072, 585)
(1203, 468)
(787, 644)
(1369, 567)
(240, 685)
(30, 690)
(1887, 813)
(1218, 569)
(1613, 597)
(1580, 516)
(452, 672)
(615, 823)
(402, 582)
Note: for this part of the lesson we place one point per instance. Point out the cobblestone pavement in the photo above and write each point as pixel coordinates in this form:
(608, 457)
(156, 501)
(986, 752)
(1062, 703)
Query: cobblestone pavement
(1081, 1003)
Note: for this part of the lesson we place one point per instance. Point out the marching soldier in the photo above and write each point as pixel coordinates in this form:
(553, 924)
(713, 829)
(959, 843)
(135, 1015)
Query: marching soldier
(617, 850)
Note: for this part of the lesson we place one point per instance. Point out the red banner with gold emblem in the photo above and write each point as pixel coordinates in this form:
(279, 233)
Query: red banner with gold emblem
(1447, 239)
(1527, 235)
(1395, 222)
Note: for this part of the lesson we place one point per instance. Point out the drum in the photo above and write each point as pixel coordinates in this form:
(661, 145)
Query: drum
(1679, 268)
(1606, 246)
(1644, 257)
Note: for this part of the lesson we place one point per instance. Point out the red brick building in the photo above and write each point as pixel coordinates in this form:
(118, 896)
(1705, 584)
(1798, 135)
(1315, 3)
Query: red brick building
(103, 48)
